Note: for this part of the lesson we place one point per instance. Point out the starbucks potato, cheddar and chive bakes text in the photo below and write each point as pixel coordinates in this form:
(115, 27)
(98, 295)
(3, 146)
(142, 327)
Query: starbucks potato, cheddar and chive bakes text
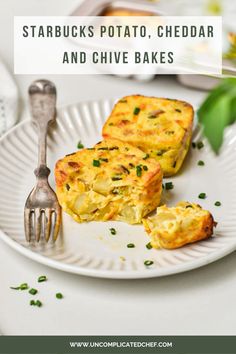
(120, 178)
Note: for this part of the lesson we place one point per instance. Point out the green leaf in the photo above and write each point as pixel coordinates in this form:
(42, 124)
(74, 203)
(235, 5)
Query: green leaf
(218, 111)
(217, 119)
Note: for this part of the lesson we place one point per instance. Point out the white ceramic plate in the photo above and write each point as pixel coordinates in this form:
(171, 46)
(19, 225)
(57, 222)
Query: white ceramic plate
(89, 248)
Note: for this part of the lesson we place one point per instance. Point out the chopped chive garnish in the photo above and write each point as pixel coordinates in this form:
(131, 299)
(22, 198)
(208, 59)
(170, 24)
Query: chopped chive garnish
(90, 148)
(125, 169)
(145, 168)
(178, 110)
(116, 178)
(151, 116)
(103, 148)
(136, 110)
(103, 159)
(38, 303)
(201, 163)
(139, 171)
(33, 291)
(200, 145)
(96, 163)
(131, 245)
(112, 231)
(149, 246)
(169, 185)
(80, 145)
(23, 286)
(146, 157)
(217, 203)
(202, 196)
(111, 124)
(148, 263)
(160, 152)
(42, 278)
(59, 295)
(193, 145)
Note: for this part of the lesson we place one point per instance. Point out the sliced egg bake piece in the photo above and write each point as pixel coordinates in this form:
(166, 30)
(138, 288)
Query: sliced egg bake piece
(161, 127)
(177, 226)
(111, 181)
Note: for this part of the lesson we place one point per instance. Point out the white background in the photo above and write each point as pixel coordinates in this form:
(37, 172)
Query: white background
(198, 302)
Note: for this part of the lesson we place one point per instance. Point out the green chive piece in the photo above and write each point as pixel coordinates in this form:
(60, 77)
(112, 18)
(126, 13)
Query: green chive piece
(146, 157)
(160, 152)
(148, 263)
(131, 245)
(202, 196)
(169, 185)
(149, 246)
(33, 291)
(59, 295)
(139, 171)
(116, 178)
(136, 111)
(80, 145)
(201, 163)
(112, 231)
(125, 169)
(200, 145)
(38, 303)
(145, 168)
(23, 286)
(32, 303)
(193, 145)
(217, 203)
(42, 278)
(96, 163)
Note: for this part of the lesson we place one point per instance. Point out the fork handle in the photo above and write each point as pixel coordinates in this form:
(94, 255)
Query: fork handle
(42, 95)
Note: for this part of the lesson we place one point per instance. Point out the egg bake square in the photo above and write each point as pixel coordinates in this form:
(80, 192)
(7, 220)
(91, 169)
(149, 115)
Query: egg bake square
(161, 127)
(111, 181)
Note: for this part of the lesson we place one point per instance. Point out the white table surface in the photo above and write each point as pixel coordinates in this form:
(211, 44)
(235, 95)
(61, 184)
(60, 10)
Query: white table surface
(197, 302)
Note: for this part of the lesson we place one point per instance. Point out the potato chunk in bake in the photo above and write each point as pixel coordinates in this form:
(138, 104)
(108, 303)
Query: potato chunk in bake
(178, 226)
(161, 127)
(112, 181)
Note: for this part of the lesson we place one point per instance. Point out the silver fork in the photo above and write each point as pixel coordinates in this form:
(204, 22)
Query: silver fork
(42, 213)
